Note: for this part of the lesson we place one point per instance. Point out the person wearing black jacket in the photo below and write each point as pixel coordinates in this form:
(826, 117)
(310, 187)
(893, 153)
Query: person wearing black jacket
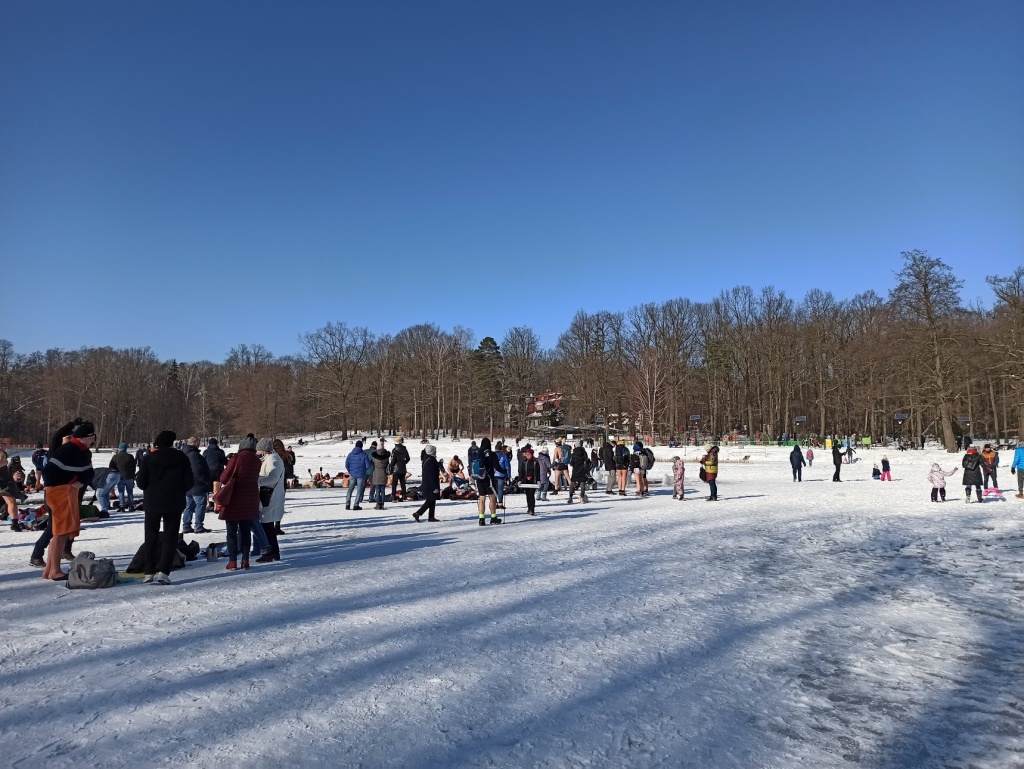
(165, 478)
(195, 497)
(489, 465)
(529, 474)
(126, 466)
(216, 461)
(608, 461)
(837, 460)
(580, 463)
(622, 459)
(430, 485)
(796, 461)
(67, 472)
(399, 467)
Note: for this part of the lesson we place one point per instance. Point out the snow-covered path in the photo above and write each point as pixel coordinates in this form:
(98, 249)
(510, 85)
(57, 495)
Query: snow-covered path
(812, 624)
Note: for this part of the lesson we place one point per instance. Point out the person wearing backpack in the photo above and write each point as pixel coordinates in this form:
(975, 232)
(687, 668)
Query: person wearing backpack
(399, 464)
(639, 464)
(488, 465)
(622, 462)
(165, 479)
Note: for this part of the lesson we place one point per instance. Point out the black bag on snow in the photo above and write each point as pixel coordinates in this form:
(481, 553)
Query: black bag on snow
(88, 573)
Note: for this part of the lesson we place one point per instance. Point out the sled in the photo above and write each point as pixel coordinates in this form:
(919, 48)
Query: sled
(994, 492)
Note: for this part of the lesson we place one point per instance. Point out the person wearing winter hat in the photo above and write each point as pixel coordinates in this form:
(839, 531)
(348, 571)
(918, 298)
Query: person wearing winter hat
(165, 478)
(126, 468)
(271, 481)
(243, 471)
(971, 464)
(358, 466)
(710, 463)
(430, 486)
(381, 461)
(67, 471)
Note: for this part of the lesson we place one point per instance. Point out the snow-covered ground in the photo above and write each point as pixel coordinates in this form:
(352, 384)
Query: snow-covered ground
(811, 625)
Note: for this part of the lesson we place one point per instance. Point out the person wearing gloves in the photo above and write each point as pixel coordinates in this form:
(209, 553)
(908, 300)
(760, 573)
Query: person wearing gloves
(430, 485)
(165, 479)
(358, 466)
(271, 483)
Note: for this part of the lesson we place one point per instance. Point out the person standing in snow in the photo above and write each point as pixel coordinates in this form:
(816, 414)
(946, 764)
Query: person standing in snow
(796, 461)
(529, 474)
(837, 460)
(67, 471)
(243, 511)
(886, 469)
(544, 462)
(272, 488)
(195, 497)
(126, 467)
(430, 485)
(580, 463)
(165, 479)
(810, 457)
(622, 461)
(357, 465)
(216, 461)
(502, 474)
(678, 476)
(488, 462)
(989, 464)
(938, 476)
(972, 472)
(1017, 466)
(399, 467)
(608, 462)
(710, 464)
(381, 459)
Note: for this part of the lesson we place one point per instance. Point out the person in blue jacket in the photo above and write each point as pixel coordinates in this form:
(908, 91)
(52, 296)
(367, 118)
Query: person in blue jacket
(1018, 465)
(357, 465)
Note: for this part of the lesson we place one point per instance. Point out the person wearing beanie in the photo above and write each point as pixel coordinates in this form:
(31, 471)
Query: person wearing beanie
(358, 466)
(710, 464)
(271, 481)
(381, 460)
(195, 498)
(544, 474)
(243, 472)
(399, 467)
(165, 478)
(126, 468)
(216, 461)
(66, 474)
(430, 486)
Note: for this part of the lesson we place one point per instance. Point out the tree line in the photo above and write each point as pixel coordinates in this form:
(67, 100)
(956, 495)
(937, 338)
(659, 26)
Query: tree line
(918, 361)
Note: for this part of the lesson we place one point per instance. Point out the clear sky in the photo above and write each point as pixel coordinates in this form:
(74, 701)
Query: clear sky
(193, 175)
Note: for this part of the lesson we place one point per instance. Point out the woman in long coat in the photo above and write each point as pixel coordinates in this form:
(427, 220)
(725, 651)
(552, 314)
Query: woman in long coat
(244, 507)
(272, 475)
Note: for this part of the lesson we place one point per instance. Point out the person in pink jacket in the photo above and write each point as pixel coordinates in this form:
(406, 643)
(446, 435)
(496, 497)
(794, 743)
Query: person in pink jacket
(938, 478)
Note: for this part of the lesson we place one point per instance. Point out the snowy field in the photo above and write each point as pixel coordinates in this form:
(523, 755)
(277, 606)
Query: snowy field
(787, 625)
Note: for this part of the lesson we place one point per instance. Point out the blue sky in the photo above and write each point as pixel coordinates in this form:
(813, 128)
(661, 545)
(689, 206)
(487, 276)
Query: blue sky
(194, 175)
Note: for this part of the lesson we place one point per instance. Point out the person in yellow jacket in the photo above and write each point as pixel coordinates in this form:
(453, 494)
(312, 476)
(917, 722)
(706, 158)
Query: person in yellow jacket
(710, 464)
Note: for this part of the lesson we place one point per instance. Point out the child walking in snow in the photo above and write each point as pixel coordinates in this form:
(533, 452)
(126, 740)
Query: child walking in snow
(885, 469)
(678, 471)
(938, 478)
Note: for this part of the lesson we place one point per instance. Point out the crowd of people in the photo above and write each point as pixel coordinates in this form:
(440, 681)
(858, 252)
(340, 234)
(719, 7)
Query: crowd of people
(246, 489)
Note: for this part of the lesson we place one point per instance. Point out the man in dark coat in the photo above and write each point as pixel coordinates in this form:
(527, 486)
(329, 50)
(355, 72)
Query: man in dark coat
(430, 486)
(796, 460)
(164, 478)
(126, 467)
(580, 463)
(195, 497)
(399, 467)
(837, 460)
(216, 461)
(608, 460)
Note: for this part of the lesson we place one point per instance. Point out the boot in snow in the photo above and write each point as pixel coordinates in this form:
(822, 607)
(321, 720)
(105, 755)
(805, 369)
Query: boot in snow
(979, 495)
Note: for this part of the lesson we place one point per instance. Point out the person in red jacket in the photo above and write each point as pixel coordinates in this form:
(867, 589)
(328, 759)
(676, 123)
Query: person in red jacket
(243, 471)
